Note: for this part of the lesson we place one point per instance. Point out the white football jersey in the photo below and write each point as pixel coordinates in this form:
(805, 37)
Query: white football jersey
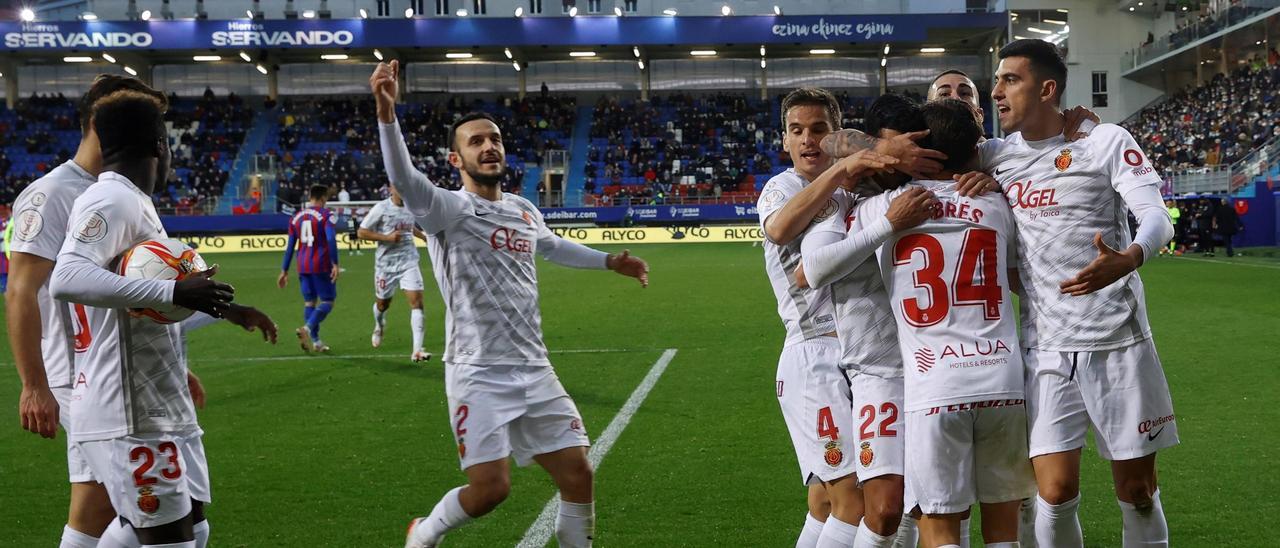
(948, 285)
(482, 254)
(805, 313)
(41, 214)
(131, 379)
(868, 334)
(1062, 194)
(388, 218)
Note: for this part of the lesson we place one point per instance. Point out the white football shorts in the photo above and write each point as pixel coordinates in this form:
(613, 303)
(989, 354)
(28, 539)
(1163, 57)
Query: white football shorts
(408, 279)
(78, 470)
(973, 453)
(877, 412)
(498, 411)
(1121, 393)
(816, 404)
(150, 478)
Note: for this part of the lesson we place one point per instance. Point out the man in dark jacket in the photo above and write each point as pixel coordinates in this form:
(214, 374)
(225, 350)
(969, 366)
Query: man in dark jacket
(1226, 223)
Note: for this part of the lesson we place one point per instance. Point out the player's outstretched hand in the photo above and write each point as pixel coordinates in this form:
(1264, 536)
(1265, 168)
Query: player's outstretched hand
(197, 389)
(385, 86)
(38, 410)
(282, 280)
(635, 267)
(975, 183)
(918, 162)
(866, 162)
(200, 292)
(1078, 122)
(1111, 265)
(911, 208)
(252, 319)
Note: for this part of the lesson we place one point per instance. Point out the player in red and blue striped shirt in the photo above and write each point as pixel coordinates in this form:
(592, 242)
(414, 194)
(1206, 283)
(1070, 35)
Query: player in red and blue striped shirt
(313, 231)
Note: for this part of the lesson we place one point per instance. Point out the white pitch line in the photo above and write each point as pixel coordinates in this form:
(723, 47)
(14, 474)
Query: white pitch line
(543, 528)
(1203, 260)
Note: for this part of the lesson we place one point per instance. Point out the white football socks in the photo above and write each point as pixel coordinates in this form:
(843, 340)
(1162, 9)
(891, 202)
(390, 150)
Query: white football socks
(202, 533)
(870, 539)
(964, 533)
(810, 533)
(1027, 524)
(379, 317)
(72, 538)
(446, 516)
(1145, 529)
(118, 535)
(837, 534)
(908, 534)
(575, 524)
(1001, 545)
(1058, 525)
(418, 322)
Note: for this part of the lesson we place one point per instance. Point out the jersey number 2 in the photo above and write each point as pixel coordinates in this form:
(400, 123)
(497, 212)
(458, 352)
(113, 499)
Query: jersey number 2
(966, 288)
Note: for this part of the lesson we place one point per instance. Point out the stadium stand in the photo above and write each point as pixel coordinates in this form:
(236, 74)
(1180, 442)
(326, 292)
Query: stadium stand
(1214, 124)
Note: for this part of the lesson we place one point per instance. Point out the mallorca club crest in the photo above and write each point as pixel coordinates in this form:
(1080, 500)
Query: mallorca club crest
(1063, 161)
(865, 454)
(462, 450)
(834, 456)
(148, 502)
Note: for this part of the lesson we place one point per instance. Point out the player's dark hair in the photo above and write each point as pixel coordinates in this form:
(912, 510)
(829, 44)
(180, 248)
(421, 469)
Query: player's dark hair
(896, 112)
(952, 131)
(952, 71)
(815, 97)
(106, 84)
(1046, 61)
(318, 192)
(468, 117)
(130, 124)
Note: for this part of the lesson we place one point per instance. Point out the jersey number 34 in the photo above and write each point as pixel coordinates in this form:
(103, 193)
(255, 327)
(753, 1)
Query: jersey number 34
(975, 281)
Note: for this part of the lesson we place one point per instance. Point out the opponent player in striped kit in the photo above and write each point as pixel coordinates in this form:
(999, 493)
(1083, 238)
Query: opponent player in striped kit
(314, 233)
(504, 397)
(395, 264)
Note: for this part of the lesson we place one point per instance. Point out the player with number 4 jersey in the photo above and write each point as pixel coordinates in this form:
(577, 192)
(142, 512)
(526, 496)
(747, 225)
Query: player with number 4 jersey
(313, 230)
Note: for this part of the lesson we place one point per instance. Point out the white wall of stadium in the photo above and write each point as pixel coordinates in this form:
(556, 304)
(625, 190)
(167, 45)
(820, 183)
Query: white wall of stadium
(246, 243)
(1101, 31)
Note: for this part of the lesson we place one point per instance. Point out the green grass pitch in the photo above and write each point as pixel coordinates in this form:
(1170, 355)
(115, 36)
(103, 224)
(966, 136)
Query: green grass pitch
(342, 450)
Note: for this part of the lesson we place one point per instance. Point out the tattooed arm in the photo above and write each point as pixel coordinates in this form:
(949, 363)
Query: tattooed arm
(913, 160)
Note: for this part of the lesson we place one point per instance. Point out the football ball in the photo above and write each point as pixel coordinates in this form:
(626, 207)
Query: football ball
(164, 259)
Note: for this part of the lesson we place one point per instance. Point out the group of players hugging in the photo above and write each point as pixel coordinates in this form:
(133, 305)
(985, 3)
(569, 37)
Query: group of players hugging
(909, 392)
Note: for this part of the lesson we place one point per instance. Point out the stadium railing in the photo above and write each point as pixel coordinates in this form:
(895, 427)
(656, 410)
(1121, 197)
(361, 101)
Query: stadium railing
(1228, 178)
(1234, 15)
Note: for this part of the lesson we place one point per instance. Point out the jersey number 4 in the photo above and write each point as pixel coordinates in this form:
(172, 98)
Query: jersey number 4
(977, 254)
(305, 234)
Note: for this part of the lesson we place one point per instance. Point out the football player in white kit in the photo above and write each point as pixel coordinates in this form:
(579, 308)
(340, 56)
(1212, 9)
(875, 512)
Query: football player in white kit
(132, 414)
(395, 264)
(44, 349)
(948, 286)
(504, 397)
(1090, 358)
(812, 387)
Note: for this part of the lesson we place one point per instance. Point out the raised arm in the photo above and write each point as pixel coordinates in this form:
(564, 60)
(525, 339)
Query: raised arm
(436, 208)
(575, 255)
